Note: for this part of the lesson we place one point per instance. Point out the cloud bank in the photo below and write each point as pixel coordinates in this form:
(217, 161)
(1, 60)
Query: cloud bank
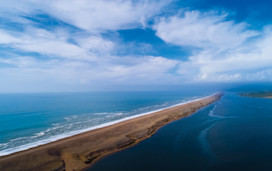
(226, 50)
(66, 45)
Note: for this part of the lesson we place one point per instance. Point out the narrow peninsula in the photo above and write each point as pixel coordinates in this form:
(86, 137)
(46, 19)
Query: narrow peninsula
(81, 151)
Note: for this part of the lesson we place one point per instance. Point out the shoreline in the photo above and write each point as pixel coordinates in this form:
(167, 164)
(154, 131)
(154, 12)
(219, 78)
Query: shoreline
(80, 151)
(73, 133)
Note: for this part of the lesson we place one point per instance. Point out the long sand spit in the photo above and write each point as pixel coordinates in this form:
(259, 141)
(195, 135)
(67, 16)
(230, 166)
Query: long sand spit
(81, 151)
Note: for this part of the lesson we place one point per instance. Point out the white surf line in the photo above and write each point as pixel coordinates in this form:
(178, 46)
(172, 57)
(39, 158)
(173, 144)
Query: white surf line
(62, 136)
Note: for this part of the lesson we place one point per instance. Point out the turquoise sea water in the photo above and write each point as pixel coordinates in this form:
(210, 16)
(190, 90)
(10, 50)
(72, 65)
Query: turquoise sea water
(28, 120)
(234, 133)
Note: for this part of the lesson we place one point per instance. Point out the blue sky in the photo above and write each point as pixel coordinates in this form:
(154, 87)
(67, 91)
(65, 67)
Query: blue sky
(87, 45)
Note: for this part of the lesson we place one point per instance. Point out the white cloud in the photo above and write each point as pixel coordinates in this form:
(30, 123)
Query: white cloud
(204, 30)
(56, 44)
(94, 16)
(103, 14)
(226, 50)
(238, 64)
(96, 44)
(90, 59)
(35, 73)
(229, 51)
(7, 38)
(81, 57)
(147, 68)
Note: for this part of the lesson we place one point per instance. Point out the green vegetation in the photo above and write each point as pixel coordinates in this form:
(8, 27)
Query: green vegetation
(257, 94)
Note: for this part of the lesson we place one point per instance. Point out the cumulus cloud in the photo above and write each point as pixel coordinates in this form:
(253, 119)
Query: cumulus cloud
(227, 50)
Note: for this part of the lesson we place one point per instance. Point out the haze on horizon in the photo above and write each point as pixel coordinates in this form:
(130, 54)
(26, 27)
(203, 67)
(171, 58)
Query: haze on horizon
(67, 45)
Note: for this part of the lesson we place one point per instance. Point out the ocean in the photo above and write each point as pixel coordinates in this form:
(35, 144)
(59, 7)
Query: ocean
(234, 133)
(31, 119)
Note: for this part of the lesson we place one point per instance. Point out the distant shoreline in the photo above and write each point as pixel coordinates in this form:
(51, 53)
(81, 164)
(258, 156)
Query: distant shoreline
(80, 151)
(267, 95)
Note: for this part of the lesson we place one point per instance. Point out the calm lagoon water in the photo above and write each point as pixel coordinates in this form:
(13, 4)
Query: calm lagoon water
(28, 120)
(234, 133)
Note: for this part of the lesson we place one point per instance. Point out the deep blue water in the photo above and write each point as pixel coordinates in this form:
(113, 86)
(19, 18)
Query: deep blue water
(234, 133)
(27, 120)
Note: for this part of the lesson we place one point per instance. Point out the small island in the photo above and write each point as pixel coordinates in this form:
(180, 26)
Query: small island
(257, 94)
(81, 151)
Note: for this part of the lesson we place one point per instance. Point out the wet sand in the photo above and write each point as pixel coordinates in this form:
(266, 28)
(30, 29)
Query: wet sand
(81, 151)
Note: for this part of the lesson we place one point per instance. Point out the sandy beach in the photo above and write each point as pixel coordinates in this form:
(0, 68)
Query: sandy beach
(81, 151)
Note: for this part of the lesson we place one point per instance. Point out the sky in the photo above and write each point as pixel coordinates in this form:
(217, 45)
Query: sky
(91, 45)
